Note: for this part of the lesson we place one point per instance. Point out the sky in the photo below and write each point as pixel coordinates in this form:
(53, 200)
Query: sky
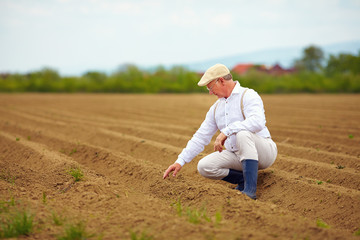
(75, 36)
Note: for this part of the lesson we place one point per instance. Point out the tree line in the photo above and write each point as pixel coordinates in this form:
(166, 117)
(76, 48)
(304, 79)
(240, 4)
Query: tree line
(314, 73)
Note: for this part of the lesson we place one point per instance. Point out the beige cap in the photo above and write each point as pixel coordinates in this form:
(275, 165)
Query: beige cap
(214, 72)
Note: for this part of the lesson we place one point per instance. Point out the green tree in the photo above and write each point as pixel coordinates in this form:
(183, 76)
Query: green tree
(312, 59)
(343, 64)
(43, 80)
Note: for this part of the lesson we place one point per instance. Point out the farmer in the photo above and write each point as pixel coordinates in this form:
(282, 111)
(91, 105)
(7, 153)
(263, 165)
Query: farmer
(240, 116)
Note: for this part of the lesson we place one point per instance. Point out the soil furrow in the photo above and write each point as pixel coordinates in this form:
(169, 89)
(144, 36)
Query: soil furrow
(124, 143)
(128, 168)
(320, 172)
(336, 205)
(318, 155)
(193, 192)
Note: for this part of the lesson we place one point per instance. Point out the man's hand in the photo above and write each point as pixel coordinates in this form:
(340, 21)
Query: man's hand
(174, 167)
(219, 142)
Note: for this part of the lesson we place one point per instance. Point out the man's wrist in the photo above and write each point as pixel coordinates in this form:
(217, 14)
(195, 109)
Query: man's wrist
(180, 161)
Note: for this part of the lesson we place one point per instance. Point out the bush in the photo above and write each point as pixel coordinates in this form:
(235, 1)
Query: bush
(130, 79)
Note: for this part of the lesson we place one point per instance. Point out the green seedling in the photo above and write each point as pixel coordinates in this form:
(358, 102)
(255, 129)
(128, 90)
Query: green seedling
(328, 181)
(357, 233)
(29, 138)
(16, 224)
(320, 223)
(218, 217)
(351, 136)
(7, 177)
(76, 173)
(340, 167)
(319, 182)
(228, 201)
(193, 215)
(142, 236)
(5, 205)
(339, 195)
(17, 139)
(58, 220)
(178, 207)
(44, 200)
(73, 151)
(75, 232)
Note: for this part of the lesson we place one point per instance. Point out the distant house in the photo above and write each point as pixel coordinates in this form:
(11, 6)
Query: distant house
(4, 75)
(278, 70)
(242, 69)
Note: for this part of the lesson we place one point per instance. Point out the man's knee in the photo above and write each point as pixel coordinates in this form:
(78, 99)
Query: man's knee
(202, 168)
(246, 145)
(244, 136)
(208, 170)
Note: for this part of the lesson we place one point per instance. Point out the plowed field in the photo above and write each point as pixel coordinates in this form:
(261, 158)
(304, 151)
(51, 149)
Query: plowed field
(124, 143)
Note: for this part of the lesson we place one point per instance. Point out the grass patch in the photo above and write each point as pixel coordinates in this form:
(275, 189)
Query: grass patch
(140, 236)
(57, 219)
(76, 173)
(75, 232)
(17, 223)
(195, 216)
(320, 223)
(5, 205)
(7, 177)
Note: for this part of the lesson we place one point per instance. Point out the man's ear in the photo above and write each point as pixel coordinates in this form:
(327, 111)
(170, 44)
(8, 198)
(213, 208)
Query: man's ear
(222, 80)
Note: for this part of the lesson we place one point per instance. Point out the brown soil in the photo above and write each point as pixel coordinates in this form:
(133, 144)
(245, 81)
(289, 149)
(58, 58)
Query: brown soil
(124, 143)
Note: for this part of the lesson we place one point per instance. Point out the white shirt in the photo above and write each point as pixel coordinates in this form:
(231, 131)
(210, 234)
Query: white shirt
(225, 115)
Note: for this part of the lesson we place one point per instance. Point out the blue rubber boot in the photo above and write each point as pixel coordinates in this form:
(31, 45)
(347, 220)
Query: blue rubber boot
(250, 170)
(235, 177)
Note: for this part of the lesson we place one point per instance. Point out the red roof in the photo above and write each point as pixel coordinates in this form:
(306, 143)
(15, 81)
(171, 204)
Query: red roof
(242, 68)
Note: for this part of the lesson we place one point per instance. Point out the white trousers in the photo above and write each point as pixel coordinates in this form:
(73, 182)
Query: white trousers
(251, 146)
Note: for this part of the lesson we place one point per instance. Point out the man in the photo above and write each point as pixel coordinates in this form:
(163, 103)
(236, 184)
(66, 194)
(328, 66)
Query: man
(239, 115)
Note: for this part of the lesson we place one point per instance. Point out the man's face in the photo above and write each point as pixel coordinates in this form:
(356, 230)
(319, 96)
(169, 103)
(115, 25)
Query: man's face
(215, 87)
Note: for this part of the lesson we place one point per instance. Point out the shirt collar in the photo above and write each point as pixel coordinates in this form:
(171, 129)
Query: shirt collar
(236, 90)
